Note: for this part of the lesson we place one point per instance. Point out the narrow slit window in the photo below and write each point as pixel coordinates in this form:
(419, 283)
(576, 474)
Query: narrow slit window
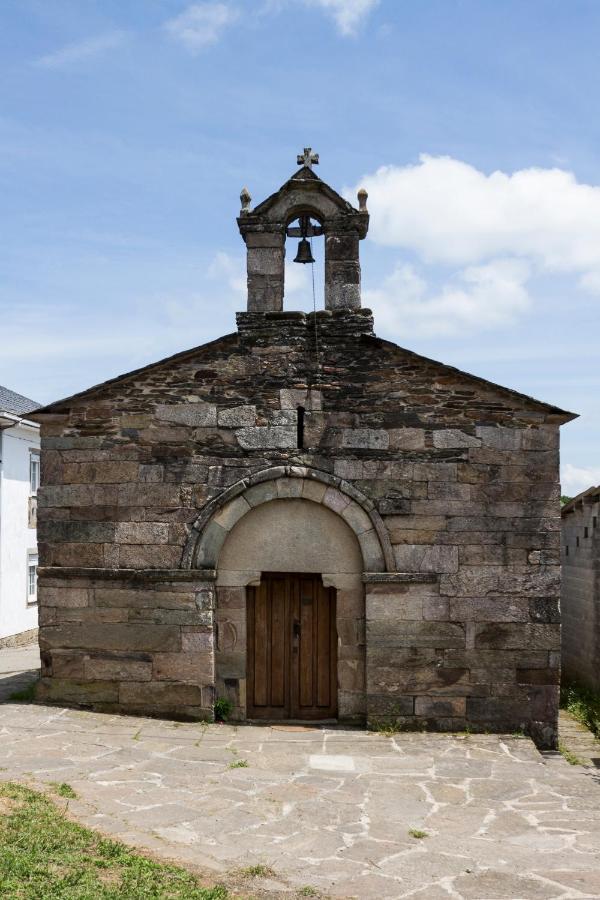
(577, 541)
(567, 550)
(585, 531)
(300, 426)
(595, 522)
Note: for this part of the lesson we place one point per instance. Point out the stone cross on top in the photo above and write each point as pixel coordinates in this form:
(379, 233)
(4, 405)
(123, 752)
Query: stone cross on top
(308, 158)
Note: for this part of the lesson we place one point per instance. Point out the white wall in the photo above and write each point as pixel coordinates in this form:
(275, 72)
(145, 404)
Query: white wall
(16, 538)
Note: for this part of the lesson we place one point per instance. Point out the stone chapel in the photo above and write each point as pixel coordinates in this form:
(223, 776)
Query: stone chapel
(302, 519)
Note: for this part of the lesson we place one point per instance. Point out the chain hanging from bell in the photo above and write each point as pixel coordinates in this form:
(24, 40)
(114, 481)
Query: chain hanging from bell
(304, 254)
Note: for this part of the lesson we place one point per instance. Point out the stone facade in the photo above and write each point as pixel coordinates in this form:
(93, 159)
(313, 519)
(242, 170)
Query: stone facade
(446, 486)
(580, 590)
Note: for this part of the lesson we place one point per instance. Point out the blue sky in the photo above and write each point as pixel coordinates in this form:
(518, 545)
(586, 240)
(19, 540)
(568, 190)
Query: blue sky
(128, 129)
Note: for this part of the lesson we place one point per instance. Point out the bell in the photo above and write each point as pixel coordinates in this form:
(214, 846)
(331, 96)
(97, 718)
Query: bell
(304, 254)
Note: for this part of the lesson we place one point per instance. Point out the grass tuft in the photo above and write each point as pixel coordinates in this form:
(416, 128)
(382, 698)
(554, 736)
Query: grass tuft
(570, 757)
(63, 789)
(44, 855)
(308, 891)
(387, 726)
(417, 833)
(257, 871)
(238, 764)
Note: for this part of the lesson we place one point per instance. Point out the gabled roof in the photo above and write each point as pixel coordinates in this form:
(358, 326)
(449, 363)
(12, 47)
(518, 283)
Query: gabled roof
(519, 400)
(14, 403)
(523, 401)
(302, 176)
(63, 403)
(593, 492)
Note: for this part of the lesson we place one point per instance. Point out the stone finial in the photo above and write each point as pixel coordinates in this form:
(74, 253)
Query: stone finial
(362, 200)
(245, 200)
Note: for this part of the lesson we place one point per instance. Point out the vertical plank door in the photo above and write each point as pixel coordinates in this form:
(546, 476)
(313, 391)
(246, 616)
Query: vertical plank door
(268, 649)
(292, 649)
(314, 650)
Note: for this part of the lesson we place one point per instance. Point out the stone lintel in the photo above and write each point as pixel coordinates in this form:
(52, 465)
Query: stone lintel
(399, 578)
(147, 575)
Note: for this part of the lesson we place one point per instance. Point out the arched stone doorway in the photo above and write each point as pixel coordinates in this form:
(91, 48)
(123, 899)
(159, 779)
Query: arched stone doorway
(304, 524)
(296, 537)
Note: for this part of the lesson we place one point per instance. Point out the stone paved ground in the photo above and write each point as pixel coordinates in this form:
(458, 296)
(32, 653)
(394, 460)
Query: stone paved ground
(327, 808)
(19, 667)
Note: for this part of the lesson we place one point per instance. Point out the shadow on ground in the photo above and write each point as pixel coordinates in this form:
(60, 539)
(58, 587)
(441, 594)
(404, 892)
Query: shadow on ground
(16, 683)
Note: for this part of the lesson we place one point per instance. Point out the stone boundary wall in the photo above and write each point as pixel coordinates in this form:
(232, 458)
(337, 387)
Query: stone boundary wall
(20, 640)
(580, 591)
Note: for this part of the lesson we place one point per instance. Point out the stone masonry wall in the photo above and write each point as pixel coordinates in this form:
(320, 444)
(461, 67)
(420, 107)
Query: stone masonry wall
(580, 591)
(464, 474)
(129, 643)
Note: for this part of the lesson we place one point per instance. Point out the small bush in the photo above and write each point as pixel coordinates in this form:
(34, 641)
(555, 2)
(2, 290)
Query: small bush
(222, 709)
(417, 833)
(238, 764)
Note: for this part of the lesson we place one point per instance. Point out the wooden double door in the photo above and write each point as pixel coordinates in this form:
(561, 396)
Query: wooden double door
(292, 649)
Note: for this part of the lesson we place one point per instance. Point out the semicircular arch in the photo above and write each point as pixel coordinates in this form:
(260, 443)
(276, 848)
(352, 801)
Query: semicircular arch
(219, 516)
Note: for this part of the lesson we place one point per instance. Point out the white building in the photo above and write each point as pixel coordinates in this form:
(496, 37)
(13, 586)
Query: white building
(19, 481)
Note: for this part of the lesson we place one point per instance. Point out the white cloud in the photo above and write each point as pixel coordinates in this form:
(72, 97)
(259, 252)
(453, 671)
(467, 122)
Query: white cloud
(479, 297)
(447, 211)
(348, 15)
(201, 24)
(230, 269)
(574, 479)
(81, 50)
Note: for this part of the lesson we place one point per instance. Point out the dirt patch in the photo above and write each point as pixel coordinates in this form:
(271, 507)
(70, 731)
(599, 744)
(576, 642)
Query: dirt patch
(7, 806)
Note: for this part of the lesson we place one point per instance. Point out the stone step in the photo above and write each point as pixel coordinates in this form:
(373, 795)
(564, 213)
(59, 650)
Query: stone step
(555, 759)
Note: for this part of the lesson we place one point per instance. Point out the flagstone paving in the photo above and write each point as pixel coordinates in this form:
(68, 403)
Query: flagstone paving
(328, 808)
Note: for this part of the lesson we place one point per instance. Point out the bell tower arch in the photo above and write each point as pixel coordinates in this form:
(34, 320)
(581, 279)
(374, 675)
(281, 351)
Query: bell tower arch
(319, 210)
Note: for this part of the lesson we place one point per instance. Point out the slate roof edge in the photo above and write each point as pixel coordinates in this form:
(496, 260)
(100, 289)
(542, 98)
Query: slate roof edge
(484, 382)
(57, 405)
(564, 415)
(16, 404)
(576, 501)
